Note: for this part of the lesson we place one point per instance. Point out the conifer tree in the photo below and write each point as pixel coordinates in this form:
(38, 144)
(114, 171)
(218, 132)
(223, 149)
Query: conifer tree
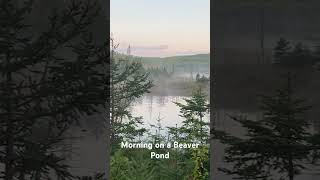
(194, 128)
(279, 143)
(43, 89)
(281, 51)
(129, 81)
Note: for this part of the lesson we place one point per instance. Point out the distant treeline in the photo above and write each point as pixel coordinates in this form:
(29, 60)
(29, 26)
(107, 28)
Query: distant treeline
(289, 54)
(236, 84)
(199, 60)
(284, 52)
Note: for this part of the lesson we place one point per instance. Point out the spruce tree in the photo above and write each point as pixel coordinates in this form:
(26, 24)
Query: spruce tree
(279, 143)
(281, 51)
(129, 81)
(194, 128)
(47, 80)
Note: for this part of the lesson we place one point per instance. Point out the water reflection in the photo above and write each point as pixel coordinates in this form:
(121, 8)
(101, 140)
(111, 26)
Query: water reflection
(152, 107)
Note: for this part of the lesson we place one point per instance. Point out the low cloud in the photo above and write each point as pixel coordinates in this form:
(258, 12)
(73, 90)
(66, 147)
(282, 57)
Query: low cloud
(190, 52)
(151, 48)
(143, 50)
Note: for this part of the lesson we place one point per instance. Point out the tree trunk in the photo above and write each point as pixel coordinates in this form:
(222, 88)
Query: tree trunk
(262, 33)
(9, 155)
(9, 168)
(290, 168)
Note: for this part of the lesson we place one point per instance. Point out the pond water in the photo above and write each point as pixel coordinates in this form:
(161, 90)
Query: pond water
(151, 108)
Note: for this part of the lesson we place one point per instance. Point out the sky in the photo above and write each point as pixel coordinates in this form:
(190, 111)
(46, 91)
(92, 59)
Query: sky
(161, 28)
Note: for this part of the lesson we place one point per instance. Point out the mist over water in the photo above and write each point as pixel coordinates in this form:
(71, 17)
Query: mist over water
(174, 80)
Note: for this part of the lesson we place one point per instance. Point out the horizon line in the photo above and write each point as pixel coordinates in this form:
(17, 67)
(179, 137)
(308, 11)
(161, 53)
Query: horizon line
(165, 56)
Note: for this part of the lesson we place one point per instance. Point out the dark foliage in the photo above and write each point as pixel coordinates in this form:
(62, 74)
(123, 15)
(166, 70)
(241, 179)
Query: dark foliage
(129, 81)
(279, 143)
(47, 81)
(297, 56)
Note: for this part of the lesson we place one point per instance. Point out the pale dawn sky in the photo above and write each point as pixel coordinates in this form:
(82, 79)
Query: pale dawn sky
(161, 28)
